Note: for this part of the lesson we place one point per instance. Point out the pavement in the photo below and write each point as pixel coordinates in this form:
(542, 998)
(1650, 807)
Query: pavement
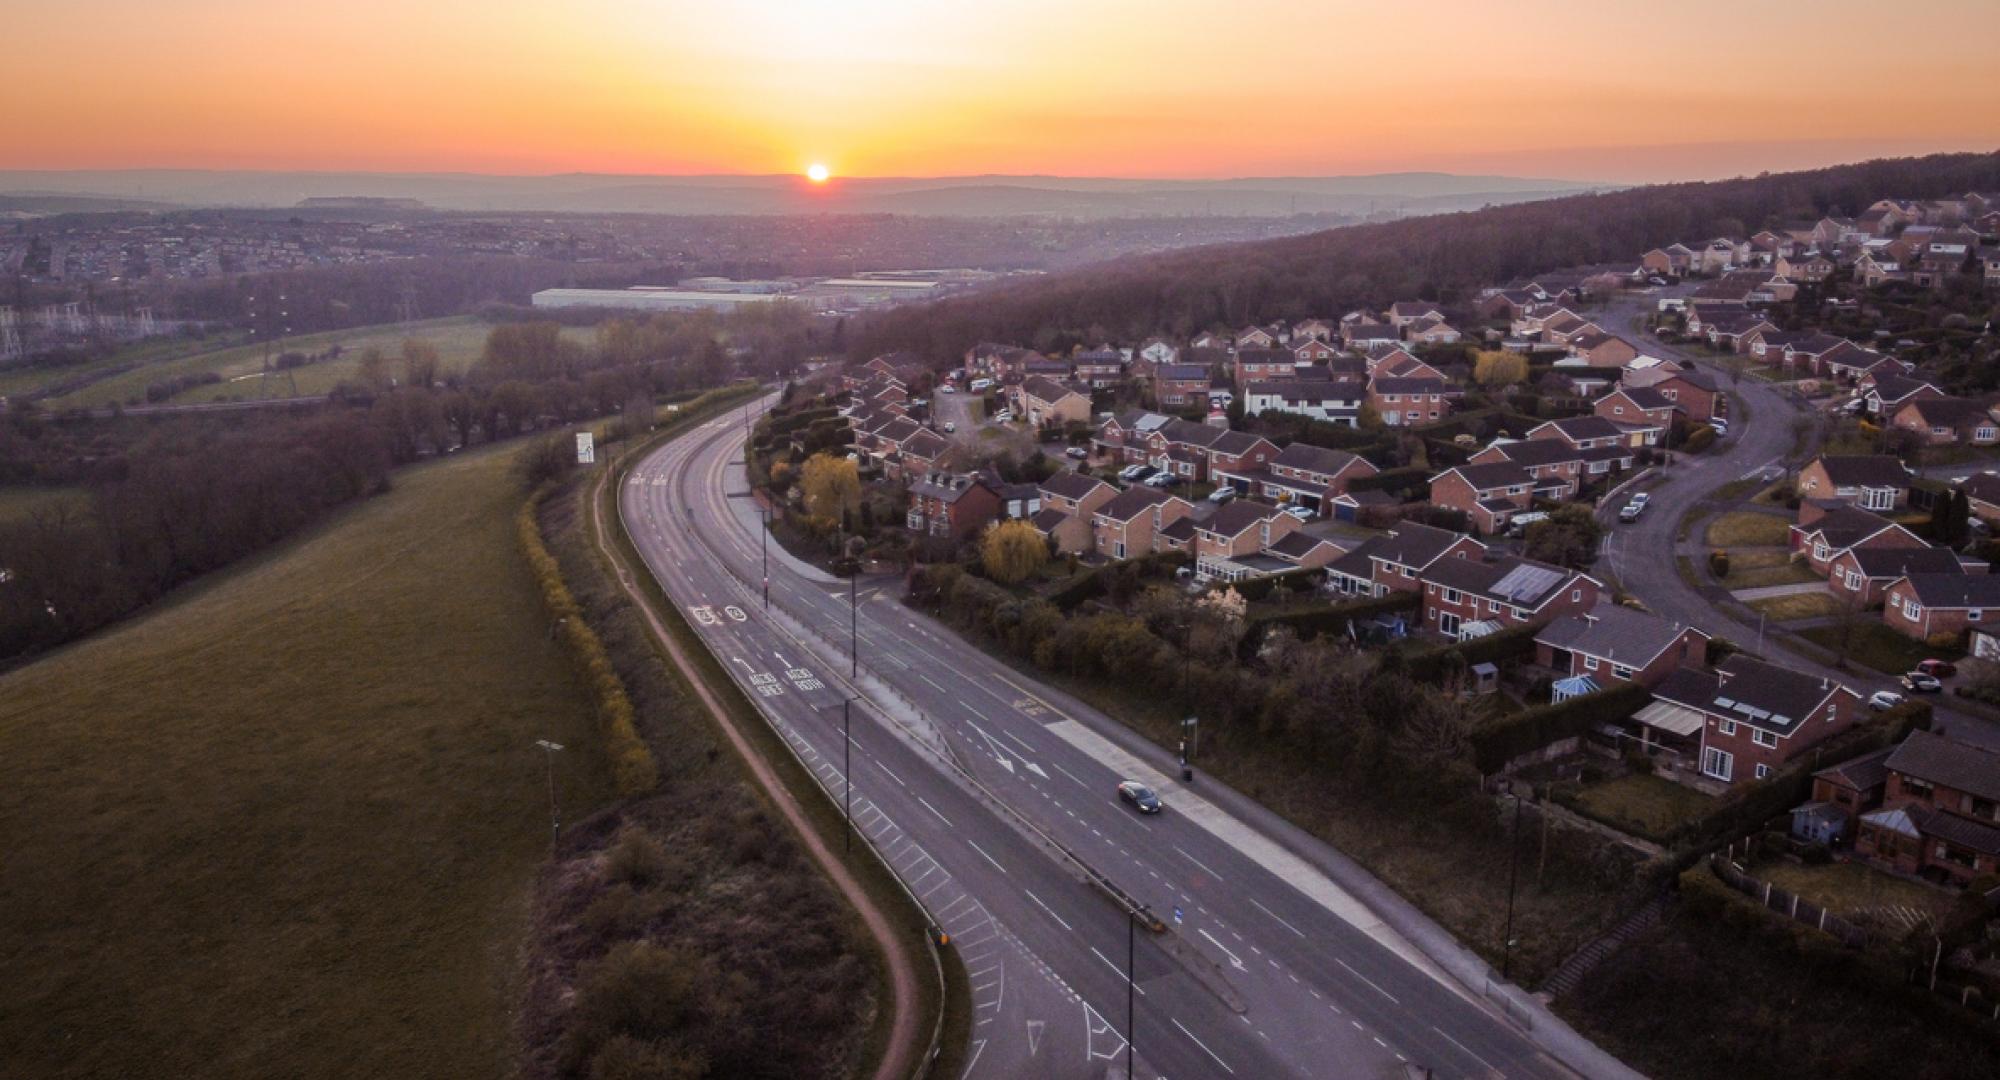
(993, 798)
(1761, 444)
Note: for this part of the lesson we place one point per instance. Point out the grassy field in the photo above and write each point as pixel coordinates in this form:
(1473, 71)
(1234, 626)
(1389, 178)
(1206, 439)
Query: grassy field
(1755, 568)
(286, 823)
(19, 504)
(1643, 804)
(23, 379)
(1742, 528)
(458, 341)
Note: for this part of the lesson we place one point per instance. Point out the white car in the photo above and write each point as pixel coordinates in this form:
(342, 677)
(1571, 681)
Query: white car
(950, 426)
(1720, 425)
(1884, 700)
(1300, 512)
(947, 389)
(1642, 498)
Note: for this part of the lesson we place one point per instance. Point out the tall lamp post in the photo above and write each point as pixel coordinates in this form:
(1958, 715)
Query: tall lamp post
(766, 511)
(1513, 874)
(853, 622)
(847, 770)
(549, 754)
(1131, 1016)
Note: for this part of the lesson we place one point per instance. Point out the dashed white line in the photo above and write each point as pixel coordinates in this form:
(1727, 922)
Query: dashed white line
(1205, 1049)
(988, 858)
(1197, 862)
(1468, 1050)
(1050, 910)
(1116, 968)
(1274, 915)
(1367, 980)
(934, 810)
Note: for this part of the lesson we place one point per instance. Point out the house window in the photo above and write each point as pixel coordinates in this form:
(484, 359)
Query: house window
(1763, 771)
(1763, 738)
(1729, 727)
(1819, 552)
(1621, 671)
(1853, 581)
(1973, 614)
(1719, 764)
(1590, 663)
(1576, 595)
(1912, 609)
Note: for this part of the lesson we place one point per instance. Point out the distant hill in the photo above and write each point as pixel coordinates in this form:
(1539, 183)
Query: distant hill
(45, 204)
(961, 196)
(1441, 258)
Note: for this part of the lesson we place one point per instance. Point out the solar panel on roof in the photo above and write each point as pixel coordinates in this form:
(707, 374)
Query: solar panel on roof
(1526, 582)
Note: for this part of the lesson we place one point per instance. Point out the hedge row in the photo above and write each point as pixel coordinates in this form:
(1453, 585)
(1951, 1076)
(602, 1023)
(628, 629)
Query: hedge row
(1261, 588)
(785, 425)
(1313, 622)
(1514, 641)
(633, 769)
(1093, 583)
(1406, 479)
(1497, 743)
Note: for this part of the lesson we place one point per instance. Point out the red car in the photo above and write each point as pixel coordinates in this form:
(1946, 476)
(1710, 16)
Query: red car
(1942, 669)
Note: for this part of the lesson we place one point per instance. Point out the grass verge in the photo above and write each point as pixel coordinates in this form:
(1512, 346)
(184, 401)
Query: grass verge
(1875, 645)
(1805, 605)
(946, 1001)
(1744, 528)
(1643, 805)
(1848, 887)
(285, 823)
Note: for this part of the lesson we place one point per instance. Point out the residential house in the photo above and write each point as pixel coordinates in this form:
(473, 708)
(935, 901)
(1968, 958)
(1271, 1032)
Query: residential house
(1126, 525)
(1046, 402)
(1645, 413)
(1265, 365)
(1812, 268)
(1582, 432)
(1431, 330)
(1868, 481)
(1933, 606)
(1311, 350)
(1360, 334)
(1946, 421)
(951, 505)
(1180, 385)
(1402, 402)
(1099, 368)
(1069, 500)
(1851, 789)
(1490, 495)
(921, 453)
(1873, 269)
(1313, 330)
(1982, 496)
(1463, 598)
(1406, 312)
(1860, 577)
(1255, 337)
(1552, 461)
(1336, 401)
(1613, 644)
(1940, 812)
(1397, 560)
(1603, 350)
(1227, 544)
(1756, 716)
(1157, 352)
(1693, 390)
(1885, 393)
(1828, 528)
(1673, 260)
(1300, 474)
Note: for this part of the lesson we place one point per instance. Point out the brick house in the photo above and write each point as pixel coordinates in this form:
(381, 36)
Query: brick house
(1397, 560)
(1099, 368)
(1555, 459)
(1615, 644)
(921, 453)
(1311, 350)
(1824, 532)
(1852, 788)
(1940, 813)
(1886, 393)
(1404, 312)
(1305, 475)
(1124, 527)
(1757, 716)
(1868, 481)
(1946, 421)
(1069, 499)
(1490, 495)
(1043, 401)
(1982, 496)
(1178, 385)
(1125, 437)
(1860, 577)
(1927, 606)
(1463, 598)
(1402, 402)
(1265, 365)
(1242, 528)
(1582, 432)
(1644, 412)
(1239, 452)
(951, 505)
(1694, 391)
(1603, 350)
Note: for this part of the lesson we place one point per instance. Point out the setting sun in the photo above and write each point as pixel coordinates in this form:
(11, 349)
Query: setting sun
(817, 173)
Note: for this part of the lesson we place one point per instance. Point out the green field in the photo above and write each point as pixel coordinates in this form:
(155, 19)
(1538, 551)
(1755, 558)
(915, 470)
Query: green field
(19, 504)
(458, 340)
(21, 380)
(286, 823)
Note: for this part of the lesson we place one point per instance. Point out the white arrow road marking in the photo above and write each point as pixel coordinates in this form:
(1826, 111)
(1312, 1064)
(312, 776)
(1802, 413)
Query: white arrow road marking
(1035, 1036)
(1036, 769)
(1234, 961)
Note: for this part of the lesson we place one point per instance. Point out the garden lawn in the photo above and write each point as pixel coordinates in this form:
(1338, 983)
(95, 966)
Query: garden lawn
(1755, 568)
(285, 822)
(1643, 804)
(1879, 647)
(1848, 887)
(1805, 605)
(1744, 528)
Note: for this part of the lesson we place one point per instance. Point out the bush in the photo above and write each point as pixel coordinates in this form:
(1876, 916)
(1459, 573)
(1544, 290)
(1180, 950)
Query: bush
(1718, 563)
(1701, 439)
(1494, 648)
(1261, 588)
(1313, 622)
(1497, 743)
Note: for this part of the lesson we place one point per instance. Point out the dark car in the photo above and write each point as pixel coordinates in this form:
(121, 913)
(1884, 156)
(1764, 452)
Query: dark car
(1140, 796)
(1943, 669)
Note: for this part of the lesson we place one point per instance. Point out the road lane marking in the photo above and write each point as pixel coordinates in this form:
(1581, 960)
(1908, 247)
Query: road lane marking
(1467, 1049)
(1274, 915)
(1197, 862)
(1067, 773)
(1366, 979)
(1204, 1048)
(988, 858)
(885, 768)
(1234, 960)
(1050, 910)
(1116, 968)
(934, 810)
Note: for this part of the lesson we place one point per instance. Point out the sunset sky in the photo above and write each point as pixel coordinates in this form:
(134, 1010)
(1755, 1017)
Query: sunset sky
(1605, 90)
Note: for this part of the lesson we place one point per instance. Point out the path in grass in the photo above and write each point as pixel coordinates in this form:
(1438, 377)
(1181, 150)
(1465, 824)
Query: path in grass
(285, 825)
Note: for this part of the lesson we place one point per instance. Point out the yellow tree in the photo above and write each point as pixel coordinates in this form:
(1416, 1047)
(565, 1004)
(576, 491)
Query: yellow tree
(830, 485)
(1493, 367)
(1011, 550)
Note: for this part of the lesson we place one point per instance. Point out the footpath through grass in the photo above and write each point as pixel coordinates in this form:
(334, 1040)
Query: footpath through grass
(286, 824)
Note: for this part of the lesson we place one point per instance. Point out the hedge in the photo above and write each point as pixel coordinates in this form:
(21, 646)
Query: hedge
(1313, 622)
(1262, 587)
(1407, 478)
(1090, 584)
(785, 425)
(1500, 645)
(1497, 743)
(634, 772)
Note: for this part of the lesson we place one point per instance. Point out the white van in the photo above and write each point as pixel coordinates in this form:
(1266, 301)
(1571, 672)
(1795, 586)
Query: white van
(1519, 526)
(980, 386)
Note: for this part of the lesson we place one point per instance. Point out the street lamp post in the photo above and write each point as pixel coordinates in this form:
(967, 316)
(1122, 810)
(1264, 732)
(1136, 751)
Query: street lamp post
(853, 623)
(1131, 1030)
(847, 772)
(549, 753)
(1513, 874)
(767, 555)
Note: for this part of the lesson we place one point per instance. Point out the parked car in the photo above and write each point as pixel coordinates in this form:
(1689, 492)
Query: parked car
(1919, 683)
(981, 385)
(1164, 480)
(1656, 282)
(1140, 796)
(1883, 700)
(1077, 452)
(1004, 416)
(1631, 511)
(1221, 495)
(1643, 498)
(947, 389)
(1942, 669)
(1300, 512)
(1720, 425)
(1519, 526)
(1132, 473)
